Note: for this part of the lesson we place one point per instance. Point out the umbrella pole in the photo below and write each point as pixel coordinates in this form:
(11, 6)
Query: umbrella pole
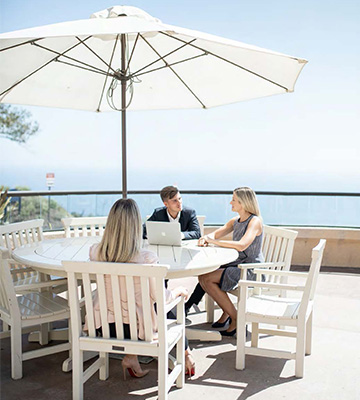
(123, 117)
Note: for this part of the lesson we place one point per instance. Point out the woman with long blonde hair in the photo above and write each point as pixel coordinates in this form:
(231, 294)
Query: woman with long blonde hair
(121, 243)
(247, 231)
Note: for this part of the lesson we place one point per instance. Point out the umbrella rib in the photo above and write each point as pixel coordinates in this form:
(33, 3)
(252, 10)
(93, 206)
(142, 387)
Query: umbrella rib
(92, 51)
(103, 89)
(70, 58)
(46, 64)
(228, 61)
(175, 73)
(166, 66)
(35, 71)
(32, 41)
(160, 58)
(84, 68)
(131, 55)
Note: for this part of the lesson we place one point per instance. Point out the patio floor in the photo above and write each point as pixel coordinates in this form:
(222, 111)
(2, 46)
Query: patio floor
(331, 372)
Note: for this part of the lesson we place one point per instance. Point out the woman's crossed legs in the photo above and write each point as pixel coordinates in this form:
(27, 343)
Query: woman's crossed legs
(210, 283)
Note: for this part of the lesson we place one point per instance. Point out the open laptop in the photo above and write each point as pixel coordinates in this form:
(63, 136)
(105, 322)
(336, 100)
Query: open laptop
(166, 233)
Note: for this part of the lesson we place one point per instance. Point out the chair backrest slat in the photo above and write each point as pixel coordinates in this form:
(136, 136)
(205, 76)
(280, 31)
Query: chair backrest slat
(15, 240)
(8, 242)
(89, 304)
(84, 226)
(103, 305)
(27, 235)
(115, 285)
(22, 238)
(34, 235)
(131, 306)
(265, 245)
(146, 304)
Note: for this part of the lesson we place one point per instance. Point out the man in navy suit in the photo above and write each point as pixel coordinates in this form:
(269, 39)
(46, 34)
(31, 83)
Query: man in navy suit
(175, 212)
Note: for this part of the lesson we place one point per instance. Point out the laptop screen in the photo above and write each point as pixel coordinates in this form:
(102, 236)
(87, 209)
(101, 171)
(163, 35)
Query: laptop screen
(165, 233)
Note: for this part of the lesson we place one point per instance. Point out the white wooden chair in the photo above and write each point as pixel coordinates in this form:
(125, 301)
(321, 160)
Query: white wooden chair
(288, 312)
(170, 333)
(277, 248)
(25, 278)
(26, 311)
(201, 220)
(84, 226)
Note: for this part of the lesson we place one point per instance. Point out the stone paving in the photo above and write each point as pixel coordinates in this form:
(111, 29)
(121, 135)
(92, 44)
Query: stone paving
(331, 372)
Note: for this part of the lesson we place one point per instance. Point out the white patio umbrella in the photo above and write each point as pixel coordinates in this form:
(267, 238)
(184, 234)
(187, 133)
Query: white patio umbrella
(124, 59)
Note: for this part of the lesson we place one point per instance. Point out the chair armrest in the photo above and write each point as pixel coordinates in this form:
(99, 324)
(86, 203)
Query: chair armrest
(174, 303)
(39, 285)
(5, 253)
(284, 286)
(280, 273)
(261, 265)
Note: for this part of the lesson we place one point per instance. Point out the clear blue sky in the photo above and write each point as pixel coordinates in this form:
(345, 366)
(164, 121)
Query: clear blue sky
(307, 140)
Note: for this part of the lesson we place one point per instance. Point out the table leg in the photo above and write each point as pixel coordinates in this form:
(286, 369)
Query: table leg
(56, 334)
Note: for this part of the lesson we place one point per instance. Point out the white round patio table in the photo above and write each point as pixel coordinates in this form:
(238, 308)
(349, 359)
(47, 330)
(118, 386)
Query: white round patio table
(184, 261)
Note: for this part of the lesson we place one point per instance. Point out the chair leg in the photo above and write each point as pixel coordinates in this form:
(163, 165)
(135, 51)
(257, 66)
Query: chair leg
(210, 307)
(240, 338)
(180, 359)
(16, 352)
(308, 343)
(255, 334)
(300, 350)
(77, 374)
(44, 334)
(104, 369)
(163, 365)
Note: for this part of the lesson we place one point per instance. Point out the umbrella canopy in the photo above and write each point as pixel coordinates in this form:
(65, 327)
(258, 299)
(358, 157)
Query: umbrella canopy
(124, 59)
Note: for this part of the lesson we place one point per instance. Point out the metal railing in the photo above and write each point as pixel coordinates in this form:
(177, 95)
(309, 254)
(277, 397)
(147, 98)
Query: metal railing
(331, 209)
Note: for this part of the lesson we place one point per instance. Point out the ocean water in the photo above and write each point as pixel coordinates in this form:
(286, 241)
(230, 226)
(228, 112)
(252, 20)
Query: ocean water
(276, 210)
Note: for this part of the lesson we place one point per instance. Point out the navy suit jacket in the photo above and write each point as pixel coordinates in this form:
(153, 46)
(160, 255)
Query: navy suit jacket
(189, 224)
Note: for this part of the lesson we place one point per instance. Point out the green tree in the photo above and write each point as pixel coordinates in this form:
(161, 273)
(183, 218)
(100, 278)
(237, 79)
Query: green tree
(16, 124)
(33, 207)
(4, 200)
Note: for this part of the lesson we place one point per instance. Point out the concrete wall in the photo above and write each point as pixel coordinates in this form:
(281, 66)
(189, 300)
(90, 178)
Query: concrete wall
(342, 245)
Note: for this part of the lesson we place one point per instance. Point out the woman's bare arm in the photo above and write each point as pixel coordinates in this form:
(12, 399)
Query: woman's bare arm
(219, 233)
(254, 229)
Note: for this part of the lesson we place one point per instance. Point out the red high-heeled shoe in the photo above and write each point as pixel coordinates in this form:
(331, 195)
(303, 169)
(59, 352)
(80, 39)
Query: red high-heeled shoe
(189, 365)
(130, 368)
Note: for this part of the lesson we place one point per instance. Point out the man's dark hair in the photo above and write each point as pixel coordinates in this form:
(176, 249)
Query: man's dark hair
(168, 192)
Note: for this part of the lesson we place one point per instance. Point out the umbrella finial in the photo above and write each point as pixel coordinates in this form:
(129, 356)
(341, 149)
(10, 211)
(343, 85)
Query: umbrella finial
(124, 11)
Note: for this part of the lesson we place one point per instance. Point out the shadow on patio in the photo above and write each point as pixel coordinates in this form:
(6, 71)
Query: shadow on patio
(331, 372)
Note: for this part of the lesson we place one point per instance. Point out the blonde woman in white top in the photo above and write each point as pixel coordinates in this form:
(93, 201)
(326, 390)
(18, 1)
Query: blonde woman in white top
(122, 243)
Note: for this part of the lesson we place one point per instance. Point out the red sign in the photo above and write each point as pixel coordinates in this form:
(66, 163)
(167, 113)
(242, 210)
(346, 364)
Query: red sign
(50, 179)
